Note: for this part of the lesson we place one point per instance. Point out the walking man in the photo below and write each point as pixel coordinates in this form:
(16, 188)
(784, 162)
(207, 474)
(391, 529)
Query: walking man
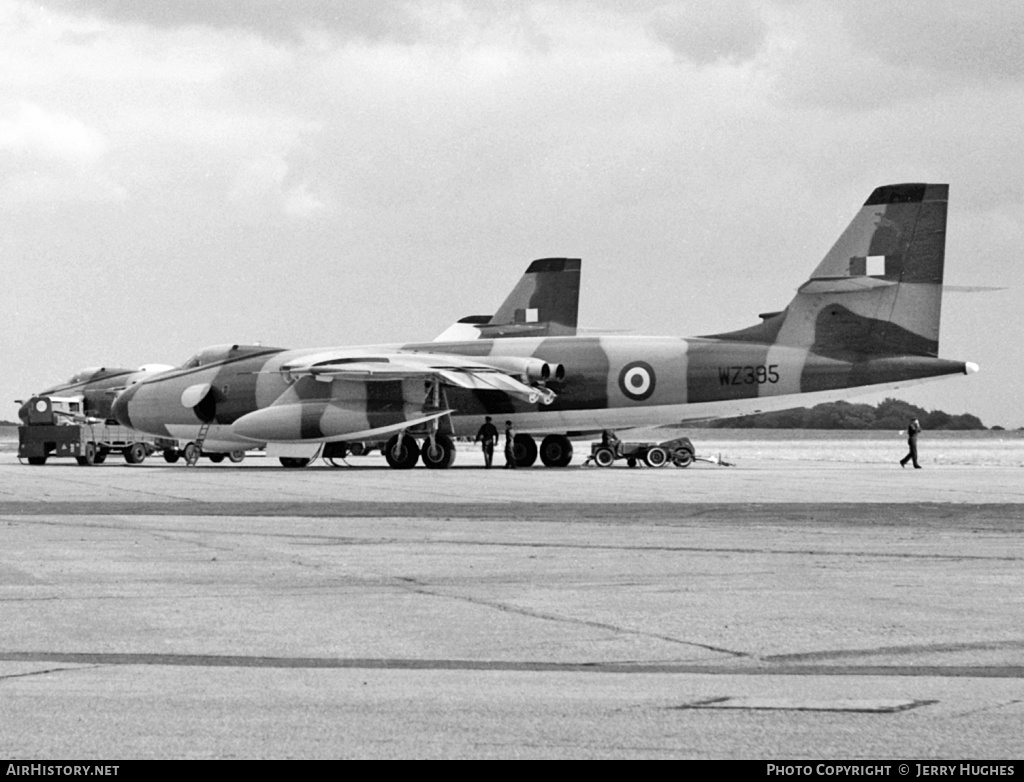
(510, 446)
(912, 431)
(487, 436)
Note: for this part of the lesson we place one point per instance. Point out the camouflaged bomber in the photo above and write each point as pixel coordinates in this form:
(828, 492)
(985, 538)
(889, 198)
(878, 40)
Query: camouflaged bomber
(866, 320)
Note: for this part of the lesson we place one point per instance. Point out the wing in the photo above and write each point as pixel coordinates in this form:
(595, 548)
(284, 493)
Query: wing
(449, 369)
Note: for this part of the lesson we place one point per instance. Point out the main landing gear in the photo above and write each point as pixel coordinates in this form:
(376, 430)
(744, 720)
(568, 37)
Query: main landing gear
(555, 450)
(437, 452)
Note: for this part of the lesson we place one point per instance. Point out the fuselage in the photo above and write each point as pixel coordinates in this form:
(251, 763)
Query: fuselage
(611, 382)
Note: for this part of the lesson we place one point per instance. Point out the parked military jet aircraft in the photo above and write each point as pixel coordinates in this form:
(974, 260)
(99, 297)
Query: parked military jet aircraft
(866, 320)
(90, 392)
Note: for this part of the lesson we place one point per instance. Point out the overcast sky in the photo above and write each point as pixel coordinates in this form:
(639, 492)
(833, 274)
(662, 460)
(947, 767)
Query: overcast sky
(308, 173)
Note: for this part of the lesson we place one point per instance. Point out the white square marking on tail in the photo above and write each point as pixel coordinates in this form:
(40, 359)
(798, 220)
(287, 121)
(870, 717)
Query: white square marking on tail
(875, 266)
(531, 316)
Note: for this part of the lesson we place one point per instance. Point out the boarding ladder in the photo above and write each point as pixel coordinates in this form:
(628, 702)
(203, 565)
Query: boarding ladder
(193, 454)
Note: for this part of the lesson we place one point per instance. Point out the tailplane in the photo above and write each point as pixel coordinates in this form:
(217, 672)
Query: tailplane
(878, 291)
(544, 303)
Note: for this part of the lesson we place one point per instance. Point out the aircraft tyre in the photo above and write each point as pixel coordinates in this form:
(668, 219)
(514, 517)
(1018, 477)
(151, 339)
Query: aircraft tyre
(683, 457)
(191, 453)
(171, 455)
(37, 460)
(135, 453)
(655, 457)
(604, 457)
(524, 448)
(236, 456)
(440, 455)
(556, 450)
(216, 458)
(101, 455)
(88, 457)
(402, 452)
(294, 462)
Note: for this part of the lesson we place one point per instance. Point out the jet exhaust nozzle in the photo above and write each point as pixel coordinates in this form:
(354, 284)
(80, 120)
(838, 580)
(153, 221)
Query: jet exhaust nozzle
(532, 369)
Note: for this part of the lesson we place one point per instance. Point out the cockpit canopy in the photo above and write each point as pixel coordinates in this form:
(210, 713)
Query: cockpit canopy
(215, 353)
(96, 373)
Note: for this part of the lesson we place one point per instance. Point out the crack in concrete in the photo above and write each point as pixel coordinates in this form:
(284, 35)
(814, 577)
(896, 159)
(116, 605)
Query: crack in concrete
(507, 608)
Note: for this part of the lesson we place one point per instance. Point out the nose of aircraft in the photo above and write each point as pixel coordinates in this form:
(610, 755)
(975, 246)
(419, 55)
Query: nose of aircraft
(119, 409)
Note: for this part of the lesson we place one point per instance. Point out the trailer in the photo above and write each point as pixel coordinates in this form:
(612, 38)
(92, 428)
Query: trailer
(47, 432)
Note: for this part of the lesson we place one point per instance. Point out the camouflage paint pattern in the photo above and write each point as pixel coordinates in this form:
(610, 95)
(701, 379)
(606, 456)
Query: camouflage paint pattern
(544, 303)
(868, 318)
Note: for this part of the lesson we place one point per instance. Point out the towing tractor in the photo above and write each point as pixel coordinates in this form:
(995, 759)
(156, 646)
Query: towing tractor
(55, 426)
(678, 451)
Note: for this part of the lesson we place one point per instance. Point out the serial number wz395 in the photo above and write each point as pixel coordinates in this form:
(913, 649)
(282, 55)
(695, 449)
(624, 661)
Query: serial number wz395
(748, 375)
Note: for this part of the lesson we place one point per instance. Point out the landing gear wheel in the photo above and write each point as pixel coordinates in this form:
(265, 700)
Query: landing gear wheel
(236, 456)
(191, 454)
(294, 462)
(88, 457)
(402, 452)
(171, 455)
(101, 455)
(604, 457)
(438, 455)
(135, 453)
(682, 458)
(656, 457)
(216, 458)
(524, 450)
(556, 450)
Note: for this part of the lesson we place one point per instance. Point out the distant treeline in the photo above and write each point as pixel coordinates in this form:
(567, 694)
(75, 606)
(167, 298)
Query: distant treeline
(888, 414)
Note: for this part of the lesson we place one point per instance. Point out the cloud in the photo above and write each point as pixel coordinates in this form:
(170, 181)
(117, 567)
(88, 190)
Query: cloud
(950, 37)
(48, 155)
(280, 20)
(871, 54)
(267, 183)
(706, 33)
(30, 131)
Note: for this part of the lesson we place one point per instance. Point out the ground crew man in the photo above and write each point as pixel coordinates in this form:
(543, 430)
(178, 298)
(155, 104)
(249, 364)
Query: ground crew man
(912, 431)
(611, 440)
(487, 436)
(510, 446)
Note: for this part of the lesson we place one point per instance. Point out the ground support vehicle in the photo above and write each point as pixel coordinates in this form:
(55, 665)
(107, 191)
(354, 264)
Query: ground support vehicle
(89, 443)
(52, 426)
(678, 451)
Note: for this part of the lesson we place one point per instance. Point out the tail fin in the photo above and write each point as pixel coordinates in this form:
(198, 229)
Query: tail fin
(545, 303)
(878, 291)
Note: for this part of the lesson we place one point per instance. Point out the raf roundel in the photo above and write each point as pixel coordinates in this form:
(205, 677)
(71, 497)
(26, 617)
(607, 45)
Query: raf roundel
(636, 380)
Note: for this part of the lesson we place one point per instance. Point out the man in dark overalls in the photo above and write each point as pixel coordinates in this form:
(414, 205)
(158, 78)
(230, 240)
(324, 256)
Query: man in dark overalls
(487, 436)
(912, 431)
(510, 446)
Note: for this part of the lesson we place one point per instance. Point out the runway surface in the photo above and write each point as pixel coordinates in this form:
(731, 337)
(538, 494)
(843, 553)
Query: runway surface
(770, 610)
